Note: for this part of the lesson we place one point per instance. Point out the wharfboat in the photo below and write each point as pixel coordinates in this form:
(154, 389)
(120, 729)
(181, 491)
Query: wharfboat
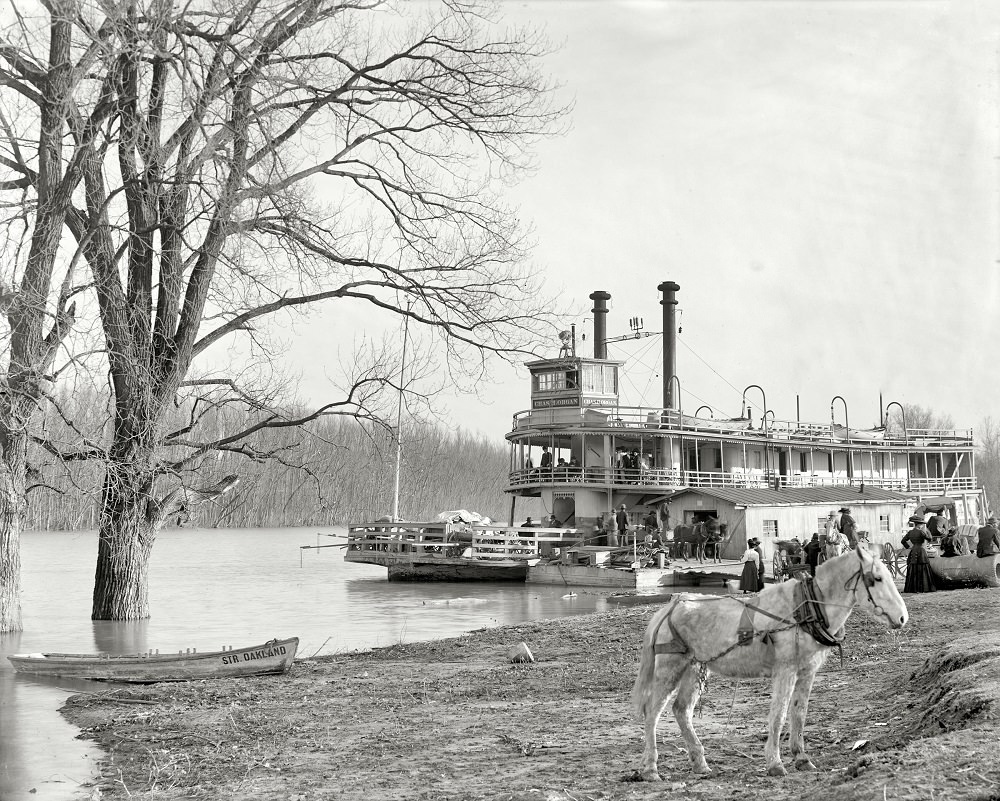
(584, 455)
(275, 656)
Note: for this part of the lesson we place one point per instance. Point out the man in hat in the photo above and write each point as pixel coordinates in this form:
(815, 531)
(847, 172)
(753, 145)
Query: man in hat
(989, 539)
(621, 517)
(848, 527)
(937, 525)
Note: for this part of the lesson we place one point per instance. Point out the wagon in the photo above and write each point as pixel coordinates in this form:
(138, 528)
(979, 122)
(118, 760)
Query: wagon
(894, 559)
(789, 560)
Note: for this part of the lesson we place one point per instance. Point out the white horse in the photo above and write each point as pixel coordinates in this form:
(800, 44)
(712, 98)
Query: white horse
(786, 632)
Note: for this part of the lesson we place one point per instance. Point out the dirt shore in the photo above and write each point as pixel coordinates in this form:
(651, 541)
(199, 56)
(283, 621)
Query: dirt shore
(911, 715)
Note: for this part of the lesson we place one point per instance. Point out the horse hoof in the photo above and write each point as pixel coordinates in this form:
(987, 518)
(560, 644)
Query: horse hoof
(804, 764)
(702, 769)
(650, 776)
(777, 770)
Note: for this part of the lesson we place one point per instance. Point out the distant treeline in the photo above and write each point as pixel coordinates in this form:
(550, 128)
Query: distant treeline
(334, 471)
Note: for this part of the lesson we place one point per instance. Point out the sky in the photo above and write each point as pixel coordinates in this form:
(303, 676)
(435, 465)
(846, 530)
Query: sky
(820, 178)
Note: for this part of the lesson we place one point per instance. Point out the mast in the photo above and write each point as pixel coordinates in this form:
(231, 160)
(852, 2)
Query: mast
(399, 419)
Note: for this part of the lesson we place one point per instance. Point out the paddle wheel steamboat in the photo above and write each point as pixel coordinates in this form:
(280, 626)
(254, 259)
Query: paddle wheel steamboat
(583, 455)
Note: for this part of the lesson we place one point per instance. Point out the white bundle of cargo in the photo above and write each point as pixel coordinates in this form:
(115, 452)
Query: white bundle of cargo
(462, 516)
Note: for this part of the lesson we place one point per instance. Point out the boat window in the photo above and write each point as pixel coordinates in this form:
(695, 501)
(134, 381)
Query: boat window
(884, 524)
(548, 382)
(770, 528)
(600, 379)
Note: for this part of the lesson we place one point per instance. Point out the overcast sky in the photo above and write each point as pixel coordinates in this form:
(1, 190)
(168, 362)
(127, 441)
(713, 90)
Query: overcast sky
(819, 177)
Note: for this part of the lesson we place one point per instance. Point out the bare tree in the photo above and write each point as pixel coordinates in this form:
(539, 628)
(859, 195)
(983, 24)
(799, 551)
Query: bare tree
(917, 418)
(227, 163)
(988, 459)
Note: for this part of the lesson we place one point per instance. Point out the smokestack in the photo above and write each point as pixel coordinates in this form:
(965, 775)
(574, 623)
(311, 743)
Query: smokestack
(600, 323)
(669, 303)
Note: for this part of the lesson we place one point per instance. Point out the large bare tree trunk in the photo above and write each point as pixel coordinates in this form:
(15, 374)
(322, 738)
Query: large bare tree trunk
(12, 509)
(127, 532)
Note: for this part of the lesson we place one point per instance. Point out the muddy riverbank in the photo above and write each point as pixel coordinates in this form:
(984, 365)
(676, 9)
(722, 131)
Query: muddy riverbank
(911, 715)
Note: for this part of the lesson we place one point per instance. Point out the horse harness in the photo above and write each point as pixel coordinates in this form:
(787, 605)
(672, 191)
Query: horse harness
(807, 615)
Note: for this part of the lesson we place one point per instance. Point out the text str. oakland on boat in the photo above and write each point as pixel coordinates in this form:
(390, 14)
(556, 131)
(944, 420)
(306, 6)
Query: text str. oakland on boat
(275, 656)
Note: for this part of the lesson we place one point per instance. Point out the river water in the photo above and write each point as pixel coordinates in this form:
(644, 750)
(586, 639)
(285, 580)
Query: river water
(211, 588)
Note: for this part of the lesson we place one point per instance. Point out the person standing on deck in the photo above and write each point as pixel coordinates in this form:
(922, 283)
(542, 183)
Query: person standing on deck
(621, 518)
(546, 462)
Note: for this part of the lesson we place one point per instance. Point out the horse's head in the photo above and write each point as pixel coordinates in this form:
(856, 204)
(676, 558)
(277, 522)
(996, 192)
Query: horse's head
(874, 589)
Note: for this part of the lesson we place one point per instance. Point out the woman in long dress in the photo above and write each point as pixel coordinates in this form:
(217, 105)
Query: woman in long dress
(918, 571)
(751, 564)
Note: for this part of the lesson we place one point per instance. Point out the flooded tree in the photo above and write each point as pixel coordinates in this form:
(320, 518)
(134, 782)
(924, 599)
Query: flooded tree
(220, 165)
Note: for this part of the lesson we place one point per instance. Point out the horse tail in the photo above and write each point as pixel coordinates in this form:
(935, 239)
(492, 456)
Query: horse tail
(642, 689)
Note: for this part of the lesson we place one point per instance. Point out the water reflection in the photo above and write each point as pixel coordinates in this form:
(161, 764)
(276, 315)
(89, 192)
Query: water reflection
(125, 637)
(39, 755)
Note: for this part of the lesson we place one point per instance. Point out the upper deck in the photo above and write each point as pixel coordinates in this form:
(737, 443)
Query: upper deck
(592, 441)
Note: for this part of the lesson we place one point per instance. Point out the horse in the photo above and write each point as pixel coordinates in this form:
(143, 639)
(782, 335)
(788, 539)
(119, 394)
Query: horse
(786, 632)
(715, 538)
(696, 535)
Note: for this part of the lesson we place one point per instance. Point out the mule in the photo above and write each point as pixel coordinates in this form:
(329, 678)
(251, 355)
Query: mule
(786, 633)
(693, 538)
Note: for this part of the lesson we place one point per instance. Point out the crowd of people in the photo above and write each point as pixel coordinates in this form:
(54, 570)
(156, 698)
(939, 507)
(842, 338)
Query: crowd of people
(839, 534)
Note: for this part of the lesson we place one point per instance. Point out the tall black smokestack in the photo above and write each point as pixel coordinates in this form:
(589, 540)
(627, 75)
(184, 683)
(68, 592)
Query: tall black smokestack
(600, 323)
(669, 303)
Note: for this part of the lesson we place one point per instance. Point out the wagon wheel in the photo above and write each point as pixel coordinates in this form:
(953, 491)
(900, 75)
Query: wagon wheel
(889, 557)
(778, 568)
(901, 563)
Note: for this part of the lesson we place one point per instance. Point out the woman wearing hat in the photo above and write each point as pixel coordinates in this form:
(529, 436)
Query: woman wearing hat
(918, 571)
(760, 565)
(749, 581)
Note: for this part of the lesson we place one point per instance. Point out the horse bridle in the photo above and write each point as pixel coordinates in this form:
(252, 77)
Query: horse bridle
(868, 579)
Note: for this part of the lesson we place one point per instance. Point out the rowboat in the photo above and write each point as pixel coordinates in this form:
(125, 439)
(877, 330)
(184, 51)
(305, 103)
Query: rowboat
(968, 570)
(274, 656)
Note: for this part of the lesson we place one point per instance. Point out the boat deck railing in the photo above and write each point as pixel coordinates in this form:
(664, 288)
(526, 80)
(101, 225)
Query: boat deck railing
(747, 479)
(671, 421)
(479, 541)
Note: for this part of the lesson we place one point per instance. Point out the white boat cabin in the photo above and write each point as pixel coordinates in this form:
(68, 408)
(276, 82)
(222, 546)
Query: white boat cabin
(584, 454)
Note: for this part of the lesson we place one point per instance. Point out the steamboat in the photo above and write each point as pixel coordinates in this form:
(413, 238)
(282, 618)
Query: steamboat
(588, 459)
(584, 455)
